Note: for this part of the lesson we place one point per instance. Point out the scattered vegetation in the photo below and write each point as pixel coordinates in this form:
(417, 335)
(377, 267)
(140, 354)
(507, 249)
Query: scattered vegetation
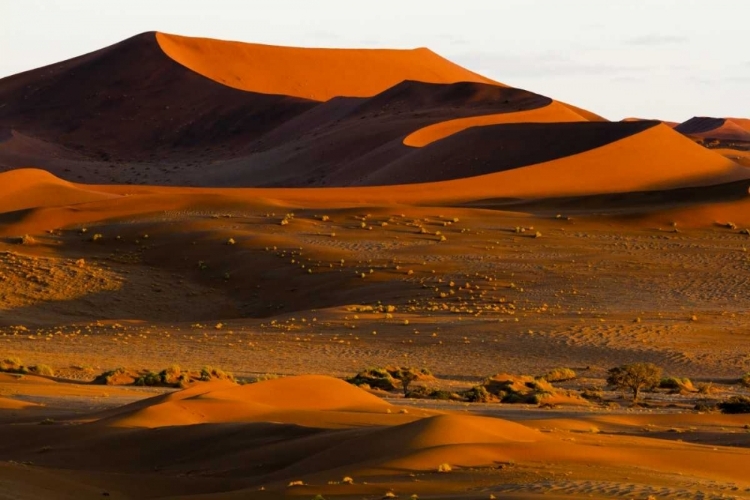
(677, 385)
(635, 377)
(745, 380)
(390, 378)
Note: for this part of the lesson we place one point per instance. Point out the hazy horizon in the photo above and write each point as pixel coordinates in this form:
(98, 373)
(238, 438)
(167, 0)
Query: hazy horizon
(665, 59)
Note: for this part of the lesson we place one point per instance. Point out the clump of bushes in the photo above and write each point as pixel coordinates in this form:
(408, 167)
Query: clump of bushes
(118, 376)
(745, 380)
(735, 404)
(14, 365)
(421, 392)
(172, 376)
(210, 373)
(677, 385)
(390, 378)
(559, 375)
(11, 365)
(518, 388)
(478, 394)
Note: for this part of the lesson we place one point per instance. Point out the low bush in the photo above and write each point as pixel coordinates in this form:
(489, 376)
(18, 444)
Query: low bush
(735, 404)
(559, 375)
(477, 394)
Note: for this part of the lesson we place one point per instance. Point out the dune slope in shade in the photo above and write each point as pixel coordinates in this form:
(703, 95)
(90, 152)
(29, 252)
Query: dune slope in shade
(716, 128)
(552, 113)
(317, 74)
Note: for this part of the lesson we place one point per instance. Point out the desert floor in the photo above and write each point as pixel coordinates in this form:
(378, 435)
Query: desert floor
(465, 292)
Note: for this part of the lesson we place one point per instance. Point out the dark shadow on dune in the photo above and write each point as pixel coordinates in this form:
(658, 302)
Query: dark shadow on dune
(623, 203)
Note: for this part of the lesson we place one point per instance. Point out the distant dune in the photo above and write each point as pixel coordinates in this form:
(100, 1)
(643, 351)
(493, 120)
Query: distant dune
(727, 129)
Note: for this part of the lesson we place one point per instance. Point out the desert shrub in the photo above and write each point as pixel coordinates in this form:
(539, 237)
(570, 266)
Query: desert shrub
(149, 379)
(210, 373)
(745, 380)
(421, 392)
(559, 375)
(109, 377)
(11, 365)
(704, 407)
(592, 394)
(707, 388)
(477, 394)
(171, 375)
(376, 378)
(517, 388)
(43, 370)
(677, 384)
(635, 377)
(735, 404)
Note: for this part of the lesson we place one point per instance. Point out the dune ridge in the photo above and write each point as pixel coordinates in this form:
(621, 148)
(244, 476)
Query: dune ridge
(318, 74)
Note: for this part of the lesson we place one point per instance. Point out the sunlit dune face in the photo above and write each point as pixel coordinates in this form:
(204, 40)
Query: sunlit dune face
(316, 74)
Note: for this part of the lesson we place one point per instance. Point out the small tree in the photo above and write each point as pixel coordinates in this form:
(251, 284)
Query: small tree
(407, 376)
(636, 377)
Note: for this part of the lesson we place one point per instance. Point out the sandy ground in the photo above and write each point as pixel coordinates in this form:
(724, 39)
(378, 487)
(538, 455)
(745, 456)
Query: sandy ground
(452, 241)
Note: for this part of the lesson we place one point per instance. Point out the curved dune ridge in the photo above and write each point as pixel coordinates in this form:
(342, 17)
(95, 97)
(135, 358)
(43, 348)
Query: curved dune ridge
(311, 73)
(728, 129)
(657, 158)
(555, 112)
(32, 188)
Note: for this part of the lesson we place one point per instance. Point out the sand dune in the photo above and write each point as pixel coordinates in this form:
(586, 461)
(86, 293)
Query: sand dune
(317, 74)
(552, 113)
(305, 400)
(716, 128)
(33, 188)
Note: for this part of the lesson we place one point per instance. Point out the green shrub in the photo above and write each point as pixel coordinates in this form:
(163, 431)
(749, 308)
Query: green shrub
(11, 365)
(150, 379)
(677, 384)
(477, 394)
(109, 376)
(43, 370)
(559, 375)
(377, 378)
(210, 373)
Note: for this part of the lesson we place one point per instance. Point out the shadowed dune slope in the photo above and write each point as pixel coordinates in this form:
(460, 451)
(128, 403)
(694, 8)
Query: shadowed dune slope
(130, 101)
(497, 148)
(716, 128)
(310, 73)
(552, 113)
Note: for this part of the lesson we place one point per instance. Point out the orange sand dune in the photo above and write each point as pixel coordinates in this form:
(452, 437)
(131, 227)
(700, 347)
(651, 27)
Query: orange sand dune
(316, 74)
(304, 400)
(14, 404)
(655, 159)
(30, 188)
(716, 128)
(554, 112)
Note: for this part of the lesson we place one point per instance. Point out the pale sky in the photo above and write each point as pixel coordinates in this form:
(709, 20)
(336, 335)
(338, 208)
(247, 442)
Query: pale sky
(668, 59)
